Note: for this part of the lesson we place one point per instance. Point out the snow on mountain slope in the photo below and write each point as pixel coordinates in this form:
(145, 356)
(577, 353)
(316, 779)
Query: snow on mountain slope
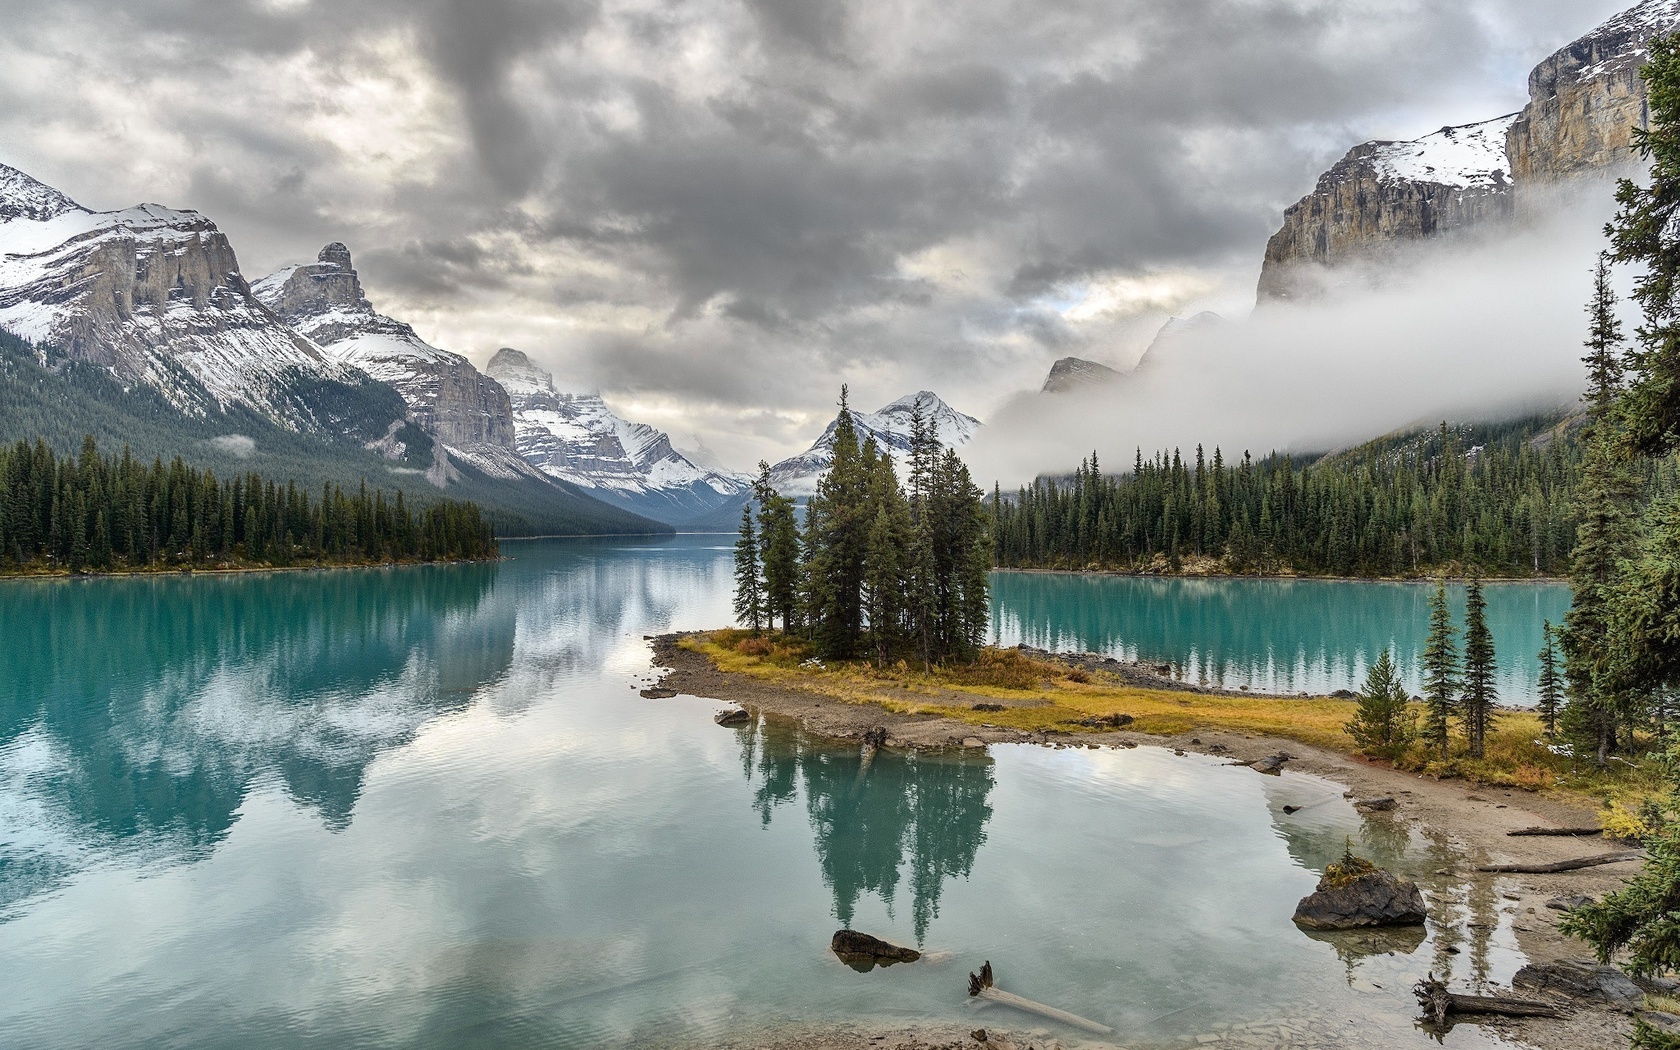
(1468, 157)
(467, 410)
(890, 426)
(577, 438)
(154, 294)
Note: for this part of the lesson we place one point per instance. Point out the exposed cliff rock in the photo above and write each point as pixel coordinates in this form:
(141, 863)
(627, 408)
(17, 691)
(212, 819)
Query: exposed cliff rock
(1074, 373)
(156, 296)
(578, 439)
(1584, 103)
(1384, 193)
(467, 410)
(1585, 100)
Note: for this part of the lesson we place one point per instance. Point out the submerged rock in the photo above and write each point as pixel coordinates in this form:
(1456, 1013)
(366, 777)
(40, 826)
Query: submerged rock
(658, 693)
(1578, 979)
(1377, 898)
(863, 953)
(735, 716)
(1271, 765)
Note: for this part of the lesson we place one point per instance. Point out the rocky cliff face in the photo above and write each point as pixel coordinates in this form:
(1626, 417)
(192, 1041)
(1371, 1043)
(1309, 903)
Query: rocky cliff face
(1584, 102)
(155, 295)
(1384, 193)
(1076, 373)
(578, 439)
(323, 300)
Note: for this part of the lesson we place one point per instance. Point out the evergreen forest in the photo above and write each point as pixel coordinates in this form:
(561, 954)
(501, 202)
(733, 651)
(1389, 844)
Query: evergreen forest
(1499, 499)
(880, 570)
(100, 513)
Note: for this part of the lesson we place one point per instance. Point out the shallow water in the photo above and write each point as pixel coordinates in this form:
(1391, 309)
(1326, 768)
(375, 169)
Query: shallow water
(426, 807)
(1275, 636)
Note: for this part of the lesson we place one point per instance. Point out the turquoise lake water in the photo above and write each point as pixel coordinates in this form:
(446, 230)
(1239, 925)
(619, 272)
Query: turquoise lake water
(1276, 636)
(426, 807)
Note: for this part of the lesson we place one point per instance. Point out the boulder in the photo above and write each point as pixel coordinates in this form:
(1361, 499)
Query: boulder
(863, 953)
(1568, 903)
(1378, 898)
(735, 716)
(1580, 979)
(1271, 765)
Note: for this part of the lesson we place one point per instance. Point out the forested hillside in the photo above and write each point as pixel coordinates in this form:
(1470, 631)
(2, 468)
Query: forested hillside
(1499, 498)
(101, 513)
(63, 401)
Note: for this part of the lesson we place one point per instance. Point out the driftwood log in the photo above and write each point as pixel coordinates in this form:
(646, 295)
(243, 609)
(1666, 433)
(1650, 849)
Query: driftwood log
(1562, 865)
(1439, 1004)
(1560, 832)
(980, 987)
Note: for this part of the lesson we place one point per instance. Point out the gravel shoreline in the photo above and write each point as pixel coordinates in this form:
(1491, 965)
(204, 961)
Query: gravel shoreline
(1470, 822)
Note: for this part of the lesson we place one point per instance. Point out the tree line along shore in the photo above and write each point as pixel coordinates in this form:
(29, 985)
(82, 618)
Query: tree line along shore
(97, 513)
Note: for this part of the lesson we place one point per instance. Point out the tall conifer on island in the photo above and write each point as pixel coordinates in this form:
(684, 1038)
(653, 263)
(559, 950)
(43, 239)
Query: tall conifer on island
(1480, 693)
(778, 550)
(1440, 672)
(1550, 685)
(749, 597)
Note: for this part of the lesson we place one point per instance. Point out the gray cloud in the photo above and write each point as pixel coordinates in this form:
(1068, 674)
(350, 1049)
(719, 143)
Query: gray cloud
(718, 210)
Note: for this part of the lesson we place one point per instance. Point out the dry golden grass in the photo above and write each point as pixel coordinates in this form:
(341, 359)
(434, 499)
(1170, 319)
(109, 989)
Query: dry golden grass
(1044, 696)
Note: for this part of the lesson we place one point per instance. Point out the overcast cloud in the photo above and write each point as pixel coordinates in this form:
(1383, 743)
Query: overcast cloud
(717, 211)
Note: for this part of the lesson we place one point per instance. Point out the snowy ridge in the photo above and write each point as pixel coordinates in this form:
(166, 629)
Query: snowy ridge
(1629, 38)
(445, 394)
(153, 293)
(890, 426)
(23, 197)
(578, 439)
(1468, 157)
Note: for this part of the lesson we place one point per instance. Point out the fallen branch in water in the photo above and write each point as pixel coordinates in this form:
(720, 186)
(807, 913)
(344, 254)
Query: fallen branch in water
(980, 987)
(1562, 865)
(1560, 832)
(1438, 1003)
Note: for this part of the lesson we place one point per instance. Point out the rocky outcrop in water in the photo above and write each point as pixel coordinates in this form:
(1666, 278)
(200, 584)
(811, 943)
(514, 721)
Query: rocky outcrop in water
(1377, 898)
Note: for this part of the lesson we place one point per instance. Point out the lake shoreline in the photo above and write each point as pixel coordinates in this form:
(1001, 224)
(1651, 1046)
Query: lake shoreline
(1279, 576)
(234, 570)
(1471, 820)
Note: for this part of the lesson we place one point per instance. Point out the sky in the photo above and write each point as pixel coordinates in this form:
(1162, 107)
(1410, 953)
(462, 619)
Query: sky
(715, 212)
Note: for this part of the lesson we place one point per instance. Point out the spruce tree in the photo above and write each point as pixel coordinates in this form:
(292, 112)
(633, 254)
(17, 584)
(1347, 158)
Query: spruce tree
(1383, 725)
(1440, 673)
(1480, 691)
(1605, 503)
(1550, 685)
(778, 550)
(749, 596)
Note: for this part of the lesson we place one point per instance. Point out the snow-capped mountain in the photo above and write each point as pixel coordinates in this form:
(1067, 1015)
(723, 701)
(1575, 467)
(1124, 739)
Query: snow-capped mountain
(465, 409)
(577, 438)
(156, 296)
(890, 426)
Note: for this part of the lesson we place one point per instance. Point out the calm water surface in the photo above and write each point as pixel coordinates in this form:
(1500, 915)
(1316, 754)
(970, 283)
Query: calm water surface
(427, 808)
(1279, 636)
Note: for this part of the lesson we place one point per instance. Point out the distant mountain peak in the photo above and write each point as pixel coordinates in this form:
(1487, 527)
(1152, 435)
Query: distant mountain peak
(576, 438)
(889, 426)
(1075, 373)
(25, 197)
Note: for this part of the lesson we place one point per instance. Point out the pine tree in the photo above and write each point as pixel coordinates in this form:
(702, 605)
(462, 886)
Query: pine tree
(778, 550)
(1440, 673)
(1383, 725)
(1480, 691)
(1550, 685)
(749, 595)
(1605, 502)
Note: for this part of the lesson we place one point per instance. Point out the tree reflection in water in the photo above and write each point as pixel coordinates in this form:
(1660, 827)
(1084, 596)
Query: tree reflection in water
(870, 816)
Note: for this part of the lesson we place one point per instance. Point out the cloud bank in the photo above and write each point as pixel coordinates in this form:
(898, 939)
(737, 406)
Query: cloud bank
(716, 211)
